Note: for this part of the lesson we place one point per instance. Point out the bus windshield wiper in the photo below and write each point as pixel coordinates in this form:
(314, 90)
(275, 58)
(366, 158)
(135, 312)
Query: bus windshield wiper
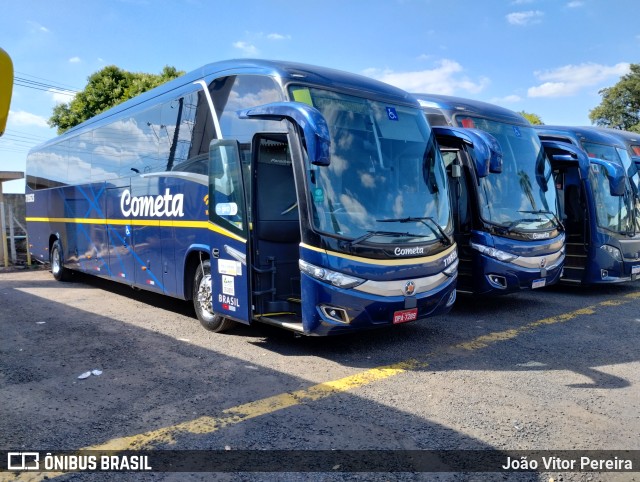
(509, 227)
(549, 213)
(438, 232)
(370, 234)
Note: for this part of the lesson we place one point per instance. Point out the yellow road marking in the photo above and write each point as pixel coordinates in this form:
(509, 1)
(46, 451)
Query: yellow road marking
(265, 406)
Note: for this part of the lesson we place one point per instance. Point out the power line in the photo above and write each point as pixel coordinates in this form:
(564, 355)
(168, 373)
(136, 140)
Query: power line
(70, 87)
(25, 135)
(32, 84)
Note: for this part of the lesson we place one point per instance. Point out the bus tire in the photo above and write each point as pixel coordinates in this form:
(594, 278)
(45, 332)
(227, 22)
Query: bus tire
(59, 272)
(202, 301)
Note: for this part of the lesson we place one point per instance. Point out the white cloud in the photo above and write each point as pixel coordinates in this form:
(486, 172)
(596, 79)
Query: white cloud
(575, 4)
(525, 18)
(22, 118)
(60, 97)
(521, 2)
(75, 60)
(446, 78)
(278, 36)
(569, 79)
(36, 27)
(246, 48)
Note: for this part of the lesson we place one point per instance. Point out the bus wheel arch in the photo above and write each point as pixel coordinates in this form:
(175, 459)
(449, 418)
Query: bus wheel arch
(56, 258)
(201, 293)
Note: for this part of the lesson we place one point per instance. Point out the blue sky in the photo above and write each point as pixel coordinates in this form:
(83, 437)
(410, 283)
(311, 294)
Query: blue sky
(548, 57)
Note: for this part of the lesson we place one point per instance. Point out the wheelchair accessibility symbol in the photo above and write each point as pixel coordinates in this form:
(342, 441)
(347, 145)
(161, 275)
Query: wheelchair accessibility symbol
(392, 114)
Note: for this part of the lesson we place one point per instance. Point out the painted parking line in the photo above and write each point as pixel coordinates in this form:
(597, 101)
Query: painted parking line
(269, 405)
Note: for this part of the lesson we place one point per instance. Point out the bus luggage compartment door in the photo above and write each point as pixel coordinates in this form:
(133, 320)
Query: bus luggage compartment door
(119, 229)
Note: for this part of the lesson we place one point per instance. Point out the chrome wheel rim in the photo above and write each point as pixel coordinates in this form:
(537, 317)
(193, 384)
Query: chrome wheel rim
(55, 261)
(204, 296)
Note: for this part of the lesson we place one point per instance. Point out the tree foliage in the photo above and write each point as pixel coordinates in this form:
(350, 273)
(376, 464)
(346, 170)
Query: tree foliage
(620, 106)
(533, 118)
(106, 88)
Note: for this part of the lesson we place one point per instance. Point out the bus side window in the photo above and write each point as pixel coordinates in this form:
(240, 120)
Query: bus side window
(190, 129)
(226, 192)
(140, 139)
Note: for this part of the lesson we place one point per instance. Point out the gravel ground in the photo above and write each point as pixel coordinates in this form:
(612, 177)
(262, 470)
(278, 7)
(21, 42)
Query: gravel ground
(554, 370)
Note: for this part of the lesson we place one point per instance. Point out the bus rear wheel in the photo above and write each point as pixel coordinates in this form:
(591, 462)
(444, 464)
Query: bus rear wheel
(202, 301)
(58, 270)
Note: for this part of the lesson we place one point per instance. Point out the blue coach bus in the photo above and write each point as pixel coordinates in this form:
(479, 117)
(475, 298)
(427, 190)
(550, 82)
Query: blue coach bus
(632, 142)
(506, 220)
(298, 196)
(598, 188)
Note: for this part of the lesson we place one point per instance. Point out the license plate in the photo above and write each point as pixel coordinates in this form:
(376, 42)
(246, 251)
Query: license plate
(538, 283)
(635, 269)
(405, 315)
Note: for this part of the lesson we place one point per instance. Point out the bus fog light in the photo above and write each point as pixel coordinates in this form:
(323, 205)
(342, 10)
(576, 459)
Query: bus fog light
(604, 273)
(334, 313)
(497, 281)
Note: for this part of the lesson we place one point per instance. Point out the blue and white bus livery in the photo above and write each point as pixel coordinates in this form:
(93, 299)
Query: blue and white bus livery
(506, 222)
(298, 196)
(597, 187)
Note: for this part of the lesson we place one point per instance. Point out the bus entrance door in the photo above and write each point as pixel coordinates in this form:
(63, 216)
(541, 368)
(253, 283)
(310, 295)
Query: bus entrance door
(230, 264)
(276, 232)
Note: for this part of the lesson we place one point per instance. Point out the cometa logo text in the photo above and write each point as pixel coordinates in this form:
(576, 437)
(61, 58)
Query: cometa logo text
(152, 206)
(408, 251)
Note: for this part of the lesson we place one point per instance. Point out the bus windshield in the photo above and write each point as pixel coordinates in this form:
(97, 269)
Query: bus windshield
(523, 195)
(613, 213)
(386, 182)
(634, 180)
(620, 214)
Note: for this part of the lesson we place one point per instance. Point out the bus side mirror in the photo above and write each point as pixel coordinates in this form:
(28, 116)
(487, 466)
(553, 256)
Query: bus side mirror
(560, 152)
(307, 118)
(487, 152)
(615, 174)
(494, 151)
(564, 158)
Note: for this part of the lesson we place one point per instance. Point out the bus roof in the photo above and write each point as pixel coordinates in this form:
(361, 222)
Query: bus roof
(578, 134)
(627, 137)
(451, 105)
(286, 71)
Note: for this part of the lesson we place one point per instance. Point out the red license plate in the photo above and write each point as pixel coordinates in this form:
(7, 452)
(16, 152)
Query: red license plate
(405, 315)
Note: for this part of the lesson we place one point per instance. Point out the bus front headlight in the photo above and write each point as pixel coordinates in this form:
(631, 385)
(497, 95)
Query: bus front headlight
(334, 278)
(494, 253)
(613, 252)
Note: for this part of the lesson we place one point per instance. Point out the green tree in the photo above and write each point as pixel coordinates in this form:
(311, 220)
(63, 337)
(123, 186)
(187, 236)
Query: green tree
(533, 118)
(620, 106)
(106, 88)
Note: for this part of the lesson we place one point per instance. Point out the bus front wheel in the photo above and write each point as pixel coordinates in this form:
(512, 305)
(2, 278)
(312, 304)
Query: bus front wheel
(202, 291)
(58, 270)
